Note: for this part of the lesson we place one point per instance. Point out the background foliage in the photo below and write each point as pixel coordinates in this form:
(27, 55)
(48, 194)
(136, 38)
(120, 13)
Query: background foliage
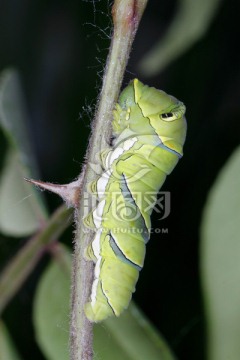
(59, 48)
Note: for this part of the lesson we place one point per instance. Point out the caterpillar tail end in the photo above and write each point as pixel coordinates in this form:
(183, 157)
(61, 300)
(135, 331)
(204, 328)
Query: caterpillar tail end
(97, 313)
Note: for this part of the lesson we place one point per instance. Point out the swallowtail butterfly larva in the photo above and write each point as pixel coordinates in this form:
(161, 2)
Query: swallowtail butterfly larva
(149, 129)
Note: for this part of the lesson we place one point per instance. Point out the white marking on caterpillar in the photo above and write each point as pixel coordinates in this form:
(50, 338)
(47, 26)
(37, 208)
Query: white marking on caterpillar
(102, 183)
(94, 291)
(97, 271)
(96, 250)
(128, 144)
(115, 154)
(97, 214)
(128, 114)
(96, 244)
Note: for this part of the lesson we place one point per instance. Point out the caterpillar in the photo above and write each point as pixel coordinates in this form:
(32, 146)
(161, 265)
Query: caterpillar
(149, 130)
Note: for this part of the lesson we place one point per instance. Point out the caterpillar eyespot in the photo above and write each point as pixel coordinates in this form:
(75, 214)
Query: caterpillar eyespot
(149, 129)
(167, 116)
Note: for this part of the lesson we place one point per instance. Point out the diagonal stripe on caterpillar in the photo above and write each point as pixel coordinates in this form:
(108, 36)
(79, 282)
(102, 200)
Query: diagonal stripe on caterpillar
(149, 130)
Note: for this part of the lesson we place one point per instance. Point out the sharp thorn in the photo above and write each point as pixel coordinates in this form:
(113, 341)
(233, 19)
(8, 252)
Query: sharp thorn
(69, 192)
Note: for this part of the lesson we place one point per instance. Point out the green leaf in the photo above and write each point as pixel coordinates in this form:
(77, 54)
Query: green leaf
(130, 337)
(7, 349)
(190, 23)
(19, 213)
(220, 250)
(21, 207)
(13, 118)
(52, 307)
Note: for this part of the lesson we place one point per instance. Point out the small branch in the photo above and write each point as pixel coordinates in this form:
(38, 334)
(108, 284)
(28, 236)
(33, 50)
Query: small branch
(17, 271)
(126, 17)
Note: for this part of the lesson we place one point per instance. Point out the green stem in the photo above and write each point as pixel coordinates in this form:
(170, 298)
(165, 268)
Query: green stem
(24, 262)
(126, 17)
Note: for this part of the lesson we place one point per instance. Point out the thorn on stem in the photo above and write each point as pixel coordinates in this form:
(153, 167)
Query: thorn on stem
(69, 192)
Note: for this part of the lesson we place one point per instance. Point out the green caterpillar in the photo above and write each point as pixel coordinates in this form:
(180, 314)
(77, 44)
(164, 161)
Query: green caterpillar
(149, 129)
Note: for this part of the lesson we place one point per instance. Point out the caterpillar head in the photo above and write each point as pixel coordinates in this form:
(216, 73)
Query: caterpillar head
(162, 114)
(165, 113)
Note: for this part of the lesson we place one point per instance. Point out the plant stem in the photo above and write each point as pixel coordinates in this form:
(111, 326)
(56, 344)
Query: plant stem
(126, 17)
(24, 262)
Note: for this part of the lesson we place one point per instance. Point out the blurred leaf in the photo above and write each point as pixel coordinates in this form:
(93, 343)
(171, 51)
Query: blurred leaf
(221, 262)
(21, 207)
(52, 308)
(190, 23)
(13, 118)
(129, 337)
(7, 350)
(19, 215)
(18, 269)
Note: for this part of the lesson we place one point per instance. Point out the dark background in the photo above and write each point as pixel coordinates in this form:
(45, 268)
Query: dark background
(60, 48)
